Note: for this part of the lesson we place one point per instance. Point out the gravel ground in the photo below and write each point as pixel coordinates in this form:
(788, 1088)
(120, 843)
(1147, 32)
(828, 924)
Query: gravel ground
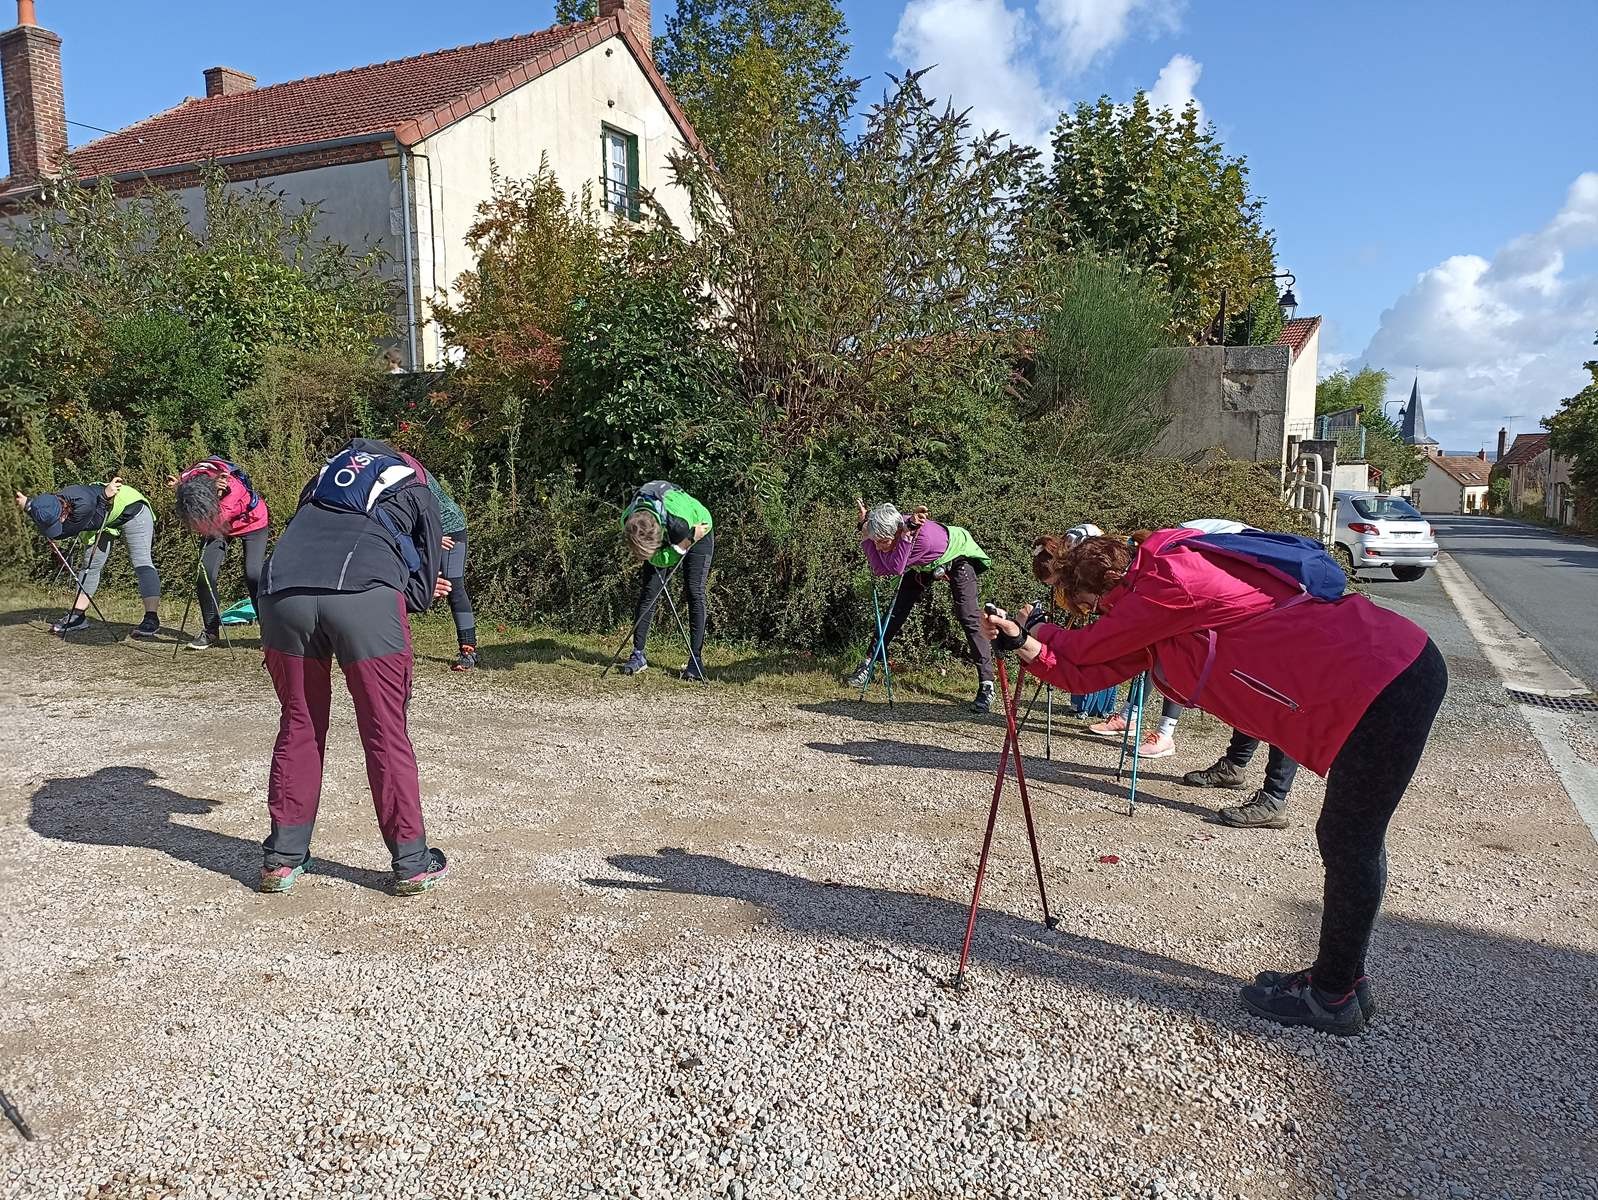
(700, 950)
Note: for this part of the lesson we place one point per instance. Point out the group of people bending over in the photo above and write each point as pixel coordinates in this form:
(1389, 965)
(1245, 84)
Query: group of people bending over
(1341, 686)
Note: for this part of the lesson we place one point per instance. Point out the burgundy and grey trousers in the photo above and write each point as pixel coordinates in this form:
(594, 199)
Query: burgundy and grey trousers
(303, 630)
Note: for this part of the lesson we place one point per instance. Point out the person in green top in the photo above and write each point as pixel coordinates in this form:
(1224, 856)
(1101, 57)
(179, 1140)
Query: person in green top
(95, 514)
(665, 527)
(922, 551)
(454, 570)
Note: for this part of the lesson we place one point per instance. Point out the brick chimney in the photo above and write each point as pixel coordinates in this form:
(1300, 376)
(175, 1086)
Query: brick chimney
(1482, 454)
(36, 108)
(1503, 441)
(225, 81)
(635, 13)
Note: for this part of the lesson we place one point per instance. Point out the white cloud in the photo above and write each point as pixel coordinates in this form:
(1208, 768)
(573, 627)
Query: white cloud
(977, 49)
(1174, 87)
(1088, 29)
(1501, 338)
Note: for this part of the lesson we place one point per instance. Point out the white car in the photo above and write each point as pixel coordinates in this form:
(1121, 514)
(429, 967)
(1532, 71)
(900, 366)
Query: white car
(1375, 530)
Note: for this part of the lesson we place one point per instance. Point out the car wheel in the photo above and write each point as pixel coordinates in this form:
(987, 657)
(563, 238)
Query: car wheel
(1408, 574)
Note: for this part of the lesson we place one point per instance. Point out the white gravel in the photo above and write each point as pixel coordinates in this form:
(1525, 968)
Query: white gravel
(707, 957)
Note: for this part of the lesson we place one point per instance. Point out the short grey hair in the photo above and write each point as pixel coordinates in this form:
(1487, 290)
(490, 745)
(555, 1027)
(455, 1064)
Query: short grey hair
(884, 521)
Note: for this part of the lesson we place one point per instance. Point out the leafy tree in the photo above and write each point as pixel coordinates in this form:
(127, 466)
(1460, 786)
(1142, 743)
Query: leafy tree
(1384, 444)
(749, 72)
(568, 11)
(1101, 363)
(1161, 189)
(1573, 433)
(1260, 323)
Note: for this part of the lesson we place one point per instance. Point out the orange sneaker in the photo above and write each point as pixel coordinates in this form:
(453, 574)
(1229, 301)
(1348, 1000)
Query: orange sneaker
(1157, 745)
(1112, 728)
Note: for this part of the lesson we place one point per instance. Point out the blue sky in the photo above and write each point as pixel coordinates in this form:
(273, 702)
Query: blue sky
(1430, 168)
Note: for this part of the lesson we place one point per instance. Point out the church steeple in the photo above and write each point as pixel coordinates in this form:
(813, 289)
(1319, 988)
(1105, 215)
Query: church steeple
(1414, 430)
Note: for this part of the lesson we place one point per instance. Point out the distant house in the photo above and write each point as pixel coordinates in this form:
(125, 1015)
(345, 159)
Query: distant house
(1302, 337)
(1454, 483)
(398, 155)
(1525, 466)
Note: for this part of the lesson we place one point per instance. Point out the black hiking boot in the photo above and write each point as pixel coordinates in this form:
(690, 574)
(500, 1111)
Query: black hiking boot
(148, 628)
(1222, 775)
(1362, 988)
(1294, 1000)
(984, 698)
(71, 623)
(1260, 812)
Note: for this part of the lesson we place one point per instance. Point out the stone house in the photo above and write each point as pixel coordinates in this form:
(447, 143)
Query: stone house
(398, 155)
(1454, 483)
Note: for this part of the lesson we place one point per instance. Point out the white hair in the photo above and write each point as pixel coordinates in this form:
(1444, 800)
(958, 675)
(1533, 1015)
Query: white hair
(883, 521)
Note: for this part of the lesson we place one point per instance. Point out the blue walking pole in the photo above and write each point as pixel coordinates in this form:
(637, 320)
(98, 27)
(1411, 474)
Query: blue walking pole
(880, 652)
(1132, 738)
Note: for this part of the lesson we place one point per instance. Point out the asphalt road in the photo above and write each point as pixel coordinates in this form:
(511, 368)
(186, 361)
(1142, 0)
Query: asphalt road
(1546, 583)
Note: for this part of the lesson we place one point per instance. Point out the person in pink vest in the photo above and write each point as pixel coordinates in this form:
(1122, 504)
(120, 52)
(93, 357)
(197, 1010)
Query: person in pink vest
(1345, 688)
(216, 501)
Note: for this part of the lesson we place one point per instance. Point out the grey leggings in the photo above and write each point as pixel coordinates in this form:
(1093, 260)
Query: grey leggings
(139, 535)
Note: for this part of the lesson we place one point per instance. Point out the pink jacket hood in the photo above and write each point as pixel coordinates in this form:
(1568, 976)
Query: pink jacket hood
(234, 504)
(1240, 641)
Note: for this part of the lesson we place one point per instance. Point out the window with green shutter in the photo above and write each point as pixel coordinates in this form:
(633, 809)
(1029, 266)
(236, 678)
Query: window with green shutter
(620, 172)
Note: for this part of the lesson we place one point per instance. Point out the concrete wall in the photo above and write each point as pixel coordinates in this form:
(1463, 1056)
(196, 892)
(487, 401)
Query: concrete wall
(559, 115)
(1232, 399)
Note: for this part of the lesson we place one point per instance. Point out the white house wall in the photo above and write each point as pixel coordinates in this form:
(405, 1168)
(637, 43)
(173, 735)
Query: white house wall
(1301, 381)
(559, 115)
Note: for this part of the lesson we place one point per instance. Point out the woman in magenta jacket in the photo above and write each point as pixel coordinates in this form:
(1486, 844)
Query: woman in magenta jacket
(216, 501)
(1346, 688)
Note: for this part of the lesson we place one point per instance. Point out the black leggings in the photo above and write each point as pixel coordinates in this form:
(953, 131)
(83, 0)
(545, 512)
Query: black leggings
(1367, 779)
(460, 603)
(213, 550)
(695, 570)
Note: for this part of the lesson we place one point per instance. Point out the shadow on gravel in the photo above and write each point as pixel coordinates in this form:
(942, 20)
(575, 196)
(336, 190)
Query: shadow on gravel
(121, 806)
(930, 924)
(885, 752)
(97, 634)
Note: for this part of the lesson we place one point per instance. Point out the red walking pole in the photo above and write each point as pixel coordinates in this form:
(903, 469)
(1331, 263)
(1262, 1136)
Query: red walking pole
(1011, 742)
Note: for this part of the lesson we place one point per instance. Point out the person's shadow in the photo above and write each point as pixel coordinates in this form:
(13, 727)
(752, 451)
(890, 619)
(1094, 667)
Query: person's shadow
(122, 806)
(933, 925)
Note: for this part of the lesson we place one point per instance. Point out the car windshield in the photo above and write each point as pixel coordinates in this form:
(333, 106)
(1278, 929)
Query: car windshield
(1385, 508)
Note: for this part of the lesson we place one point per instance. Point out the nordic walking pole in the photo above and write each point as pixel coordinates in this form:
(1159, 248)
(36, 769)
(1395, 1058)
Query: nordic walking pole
(1126, 734)
(78, 579)
(633, 632)
(880, 651)
(15, 1117)
(216, 605)
(693, 659)
(1142, 697)
(1011, 702)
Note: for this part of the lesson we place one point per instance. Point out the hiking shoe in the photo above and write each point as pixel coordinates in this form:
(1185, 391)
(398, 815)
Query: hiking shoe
(862, 674)
(70, 623)
(147, 628)
(1222, 775)
(1294, 1000)
(1114, 727)
(693, 673)
(203, 640)
(1157, 745)
(415, 885)
(282, 879)
(635, 663)
(468, 659)
(1261, 812)
(984, 697)
(1362, 988)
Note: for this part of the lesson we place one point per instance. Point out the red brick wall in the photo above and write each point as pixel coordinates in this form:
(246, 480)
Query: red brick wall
(637, 16)
(36, 110)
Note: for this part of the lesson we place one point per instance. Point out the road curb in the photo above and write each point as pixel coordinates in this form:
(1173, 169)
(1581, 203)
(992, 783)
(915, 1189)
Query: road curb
(1519, 659)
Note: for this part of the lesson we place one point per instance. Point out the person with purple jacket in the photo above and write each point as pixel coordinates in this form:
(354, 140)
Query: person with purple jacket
(924, 551)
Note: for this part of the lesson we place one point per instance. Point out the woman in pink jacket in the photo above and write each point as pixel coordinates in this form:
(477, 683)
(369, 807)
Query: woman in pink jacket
(1346, 688)
(216, 500)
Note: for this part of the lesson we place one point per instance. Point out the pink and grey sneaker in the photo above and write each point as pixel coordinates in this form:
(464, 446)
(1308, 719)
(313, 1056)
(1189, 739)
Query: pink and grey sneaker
(415, 885)
(1157, 745)
(282, 879)
(1112, 728)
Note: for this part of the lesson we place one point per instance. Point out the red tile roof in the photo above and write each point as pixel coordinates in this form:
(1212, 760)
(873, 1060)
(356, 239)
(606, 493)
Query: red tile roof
(1468, 470)
(1296, 333)
(410, 97)
(1527, 447)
